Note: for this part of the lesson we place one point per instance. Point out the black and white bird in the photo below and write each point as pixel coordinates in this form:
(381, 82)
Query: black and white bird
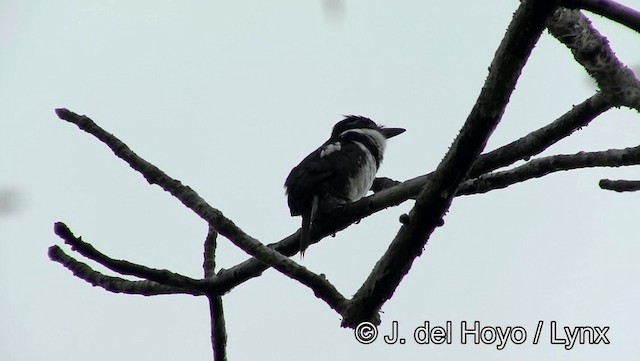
(342, 170)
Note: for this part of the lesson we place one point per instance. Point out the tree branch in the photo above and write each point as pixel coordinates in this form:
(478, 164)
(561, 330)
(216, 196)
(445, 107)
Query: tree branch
(540, 167)
(216, 310)
(391, 193)
(539, 140)
(210, 244)
(435, 198)
(609, 9)
(592, 51)
(218, 328)
(620, 185)
(163, 277)
(154, 175)
(320, 286)
(114, 284)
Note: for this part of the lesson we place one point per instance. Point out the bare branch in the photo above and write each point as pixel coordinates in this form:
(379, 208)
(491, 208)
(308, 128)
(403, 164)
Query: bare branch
(540, 167)
(620, 185)
(609, 9)
(164, 277)
(321, 287)
(435, 198)
(216, 310)
(114, 284)
(218, 328)
(538, 141)
(391, 193)
(592, 51)
(154, 175)
(210, 243)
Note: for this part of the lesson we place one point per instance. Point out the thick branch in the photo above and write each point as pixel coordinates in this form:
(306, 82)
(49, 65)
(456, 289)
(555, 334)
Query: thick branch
(609, 9)
(114, 284)
(592, 51)
(390, 193)
(435, 198)
(164, 277)
(540, 167)
(620, 185)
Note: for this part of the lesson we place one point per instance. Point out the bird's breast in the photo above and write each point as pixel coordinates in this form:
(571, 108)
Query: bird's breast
(362, 179)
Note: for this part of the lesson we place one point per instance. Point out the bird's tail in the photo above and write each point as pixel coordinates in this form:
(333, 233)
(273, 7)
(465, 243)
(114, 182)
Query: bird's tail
(307, 220)
(305, 233)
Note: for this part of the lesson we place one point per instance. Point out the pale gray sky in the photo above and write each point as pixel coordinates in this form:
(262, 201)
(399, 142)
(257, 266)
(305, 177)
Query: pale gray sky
(227, 97)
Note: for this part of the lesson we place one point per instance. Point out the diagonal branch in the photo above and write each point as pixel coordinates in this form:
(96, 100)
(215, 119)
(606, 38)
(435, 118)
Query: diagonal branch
(114, 284)
(609, 9)
(436, 196)
(164, 277)
(620, 185)
(391, 193)
(592, 51)
(539, 140)
(154, 175)
(320, 286)
(542, 166)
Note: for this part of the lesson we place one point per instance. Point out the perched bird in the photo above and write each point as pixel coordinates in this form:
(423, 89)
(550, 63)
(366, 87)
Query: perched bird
(342, 170)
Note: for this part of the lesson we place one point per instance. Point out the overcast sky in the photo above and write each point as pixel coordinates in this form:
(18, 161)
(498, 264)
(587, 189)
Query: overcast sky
(227, 97)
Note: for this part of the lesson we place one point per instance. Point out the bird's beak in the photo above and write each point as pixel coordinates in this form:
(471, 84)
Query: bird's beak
(391, 132)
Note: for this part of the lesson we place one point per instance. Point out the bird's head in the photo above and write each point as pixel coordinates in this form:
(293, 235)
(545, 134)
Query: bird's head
(360, 123)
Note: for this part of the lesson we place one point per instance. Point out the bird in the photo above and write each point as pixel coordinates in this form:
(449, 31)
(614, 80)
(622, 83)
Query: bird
(340, 171)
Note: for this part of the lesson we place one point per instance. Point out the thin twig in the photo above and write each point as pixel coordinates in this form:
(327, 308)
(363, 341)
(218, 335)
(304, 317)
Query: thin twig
(154, 175)
(435, 198)
(114, 284)
(209, 263)
(620, 185)
(164, 277)
(539, 140)
(540, 167)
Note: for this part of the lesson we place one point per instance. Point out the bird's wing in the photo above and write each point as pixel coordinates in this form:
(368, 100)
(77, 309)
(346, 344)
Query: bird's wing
(305, 180)
(317, 173)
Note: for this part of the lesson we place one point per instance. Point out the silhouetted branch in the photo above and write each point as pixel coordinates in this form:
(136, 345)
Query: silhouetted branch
(154, 175)
(216, 310)
(321, 287)
(609, 9)
(209, 263)
(592, 51)
(114, 284)
(388, 195)
(218, 328)
(434, 191)
(537, 168)
(164, 277)
(435, 198)
(620, 185)
(538, 141)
